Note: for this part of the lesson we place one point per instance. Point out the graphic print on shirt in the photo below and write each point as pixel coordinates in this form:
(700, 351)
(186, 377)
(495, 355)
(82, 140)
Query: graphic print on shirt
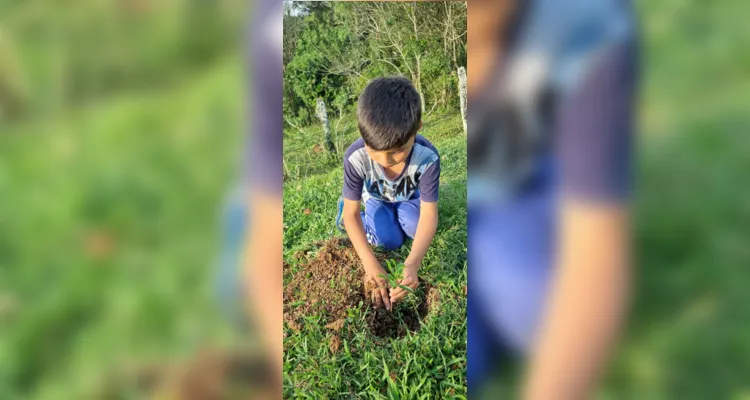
(401, 190)
(377, 186)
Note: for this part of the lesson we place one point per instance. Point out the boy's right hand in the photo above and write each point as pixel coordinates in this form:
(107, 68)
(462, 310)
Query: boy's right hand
(377, 285)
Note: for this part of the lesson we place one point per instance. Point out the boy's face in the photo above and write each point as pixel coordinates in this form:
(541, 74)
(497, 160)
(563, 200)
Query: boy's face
(389, 158)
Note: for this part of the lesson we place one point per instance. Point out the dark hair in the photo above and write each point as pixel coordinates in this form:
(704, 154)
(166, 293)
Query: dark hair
(389, 112)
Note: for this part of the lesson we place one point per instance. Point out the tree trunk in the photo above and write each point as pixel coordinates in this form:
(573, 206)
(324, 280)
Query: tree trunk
(419, 83)
(451, 28)
(453, 43)
(462, 95)
(322, 114)
(417, 56)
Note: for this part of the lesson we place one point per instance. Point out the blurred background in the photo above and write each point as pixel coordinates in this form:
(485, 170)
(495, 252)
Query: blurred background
(689, 332)
(689, 336)
(120, 134)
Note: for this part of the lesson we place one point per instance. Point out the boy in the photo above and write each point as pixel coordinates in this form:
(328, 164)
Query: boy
(395, 173)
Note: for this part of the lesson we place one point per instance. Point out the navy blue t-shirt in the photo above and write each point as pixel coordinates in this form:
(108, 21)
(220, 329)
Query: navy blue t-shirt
(365, 179)
(263, 167)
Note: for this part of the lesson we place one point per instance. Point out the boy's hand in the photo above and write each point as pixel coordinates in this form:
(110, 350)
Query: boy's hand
(410, 280)
(377, 285)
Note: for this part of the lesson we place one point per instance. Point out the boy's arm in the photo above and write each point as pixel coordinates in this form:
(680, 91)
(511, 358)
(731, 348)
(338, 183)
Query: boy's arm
(356, 232)
(353, 184)
(262, 273)
(588, 303)
(590, 292)
(426, 228)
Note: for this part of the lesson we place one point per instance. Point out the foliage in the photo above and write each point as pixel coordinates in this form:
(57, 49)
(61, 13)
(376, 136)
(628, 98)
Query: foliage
(70, 55)
(110, 186)
(333, 49)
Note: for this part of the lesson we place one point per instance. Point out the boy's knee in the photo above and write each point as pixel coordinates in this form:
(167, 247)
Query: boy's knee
(408, 218)
(390, 239)
(409, 227)
(384, 228)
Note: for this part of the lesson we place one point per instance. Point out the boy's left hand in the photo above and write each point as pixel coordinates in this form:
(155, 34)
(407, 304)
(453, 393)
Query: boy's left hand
(410, 280)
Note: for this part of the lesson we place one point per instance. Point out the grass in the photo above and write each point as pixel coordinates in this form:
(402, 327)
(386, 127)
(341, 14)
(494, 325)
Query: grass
(689, 331)
(109, 236)
(689, 334)
(430, 363)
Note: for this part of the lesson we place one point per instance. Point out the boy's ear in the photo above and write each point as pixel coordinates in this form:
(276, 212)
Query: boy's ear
(420, 125)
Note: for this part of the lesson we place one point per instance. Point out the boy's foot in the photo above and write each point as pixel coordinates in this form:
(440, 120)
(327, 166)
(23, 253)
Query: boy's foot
(339, 215)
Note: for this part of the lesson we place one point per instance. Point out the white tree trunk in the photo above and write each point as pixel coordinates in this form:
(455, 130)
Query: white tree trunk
(418, 56)
(462, 95)
(320, 111)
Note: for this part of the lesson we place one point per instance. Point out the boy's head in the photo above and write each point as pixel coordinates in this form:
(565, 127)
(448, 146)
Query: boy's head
(389, 114)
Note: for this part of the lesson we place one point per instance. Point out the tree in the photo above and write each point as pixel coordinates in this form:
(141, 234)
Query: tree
(322, 113)
(463, 95)
(333, 49)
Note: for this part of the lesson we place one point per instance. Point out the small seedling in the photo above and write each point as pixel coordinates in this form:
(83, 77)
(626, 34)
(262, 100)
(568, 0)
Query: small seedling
(395, 274)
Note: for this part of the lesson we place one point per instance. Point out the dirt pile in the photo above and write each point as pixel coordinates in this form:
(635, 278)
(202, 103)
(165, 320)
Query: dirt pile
(328, 281)
(210, 374)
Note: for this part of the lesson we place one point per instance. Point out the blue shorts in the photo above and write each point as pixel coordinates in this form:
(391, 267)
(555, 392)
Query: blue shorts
(388, 224)
(510, 258)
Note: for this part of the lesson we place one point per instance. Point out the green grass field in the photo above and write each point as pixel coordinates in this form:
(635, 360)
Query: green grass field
(429, 363)
(109, 235)
(689, 334)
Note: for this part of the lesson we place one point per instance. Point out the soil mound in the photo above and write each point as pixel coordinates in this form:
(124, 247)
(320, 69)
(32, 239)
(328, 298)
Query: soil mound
(329, 281)
(210, 374)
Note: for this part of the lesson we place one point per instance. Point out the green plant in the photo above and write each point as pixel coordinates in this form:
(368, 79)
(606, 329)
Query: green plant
(395, 274)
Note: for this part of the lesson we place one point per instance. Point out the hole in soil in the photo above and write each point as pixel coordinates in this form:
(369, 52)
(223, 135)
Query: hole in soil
(330, 283)
(405, 316)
